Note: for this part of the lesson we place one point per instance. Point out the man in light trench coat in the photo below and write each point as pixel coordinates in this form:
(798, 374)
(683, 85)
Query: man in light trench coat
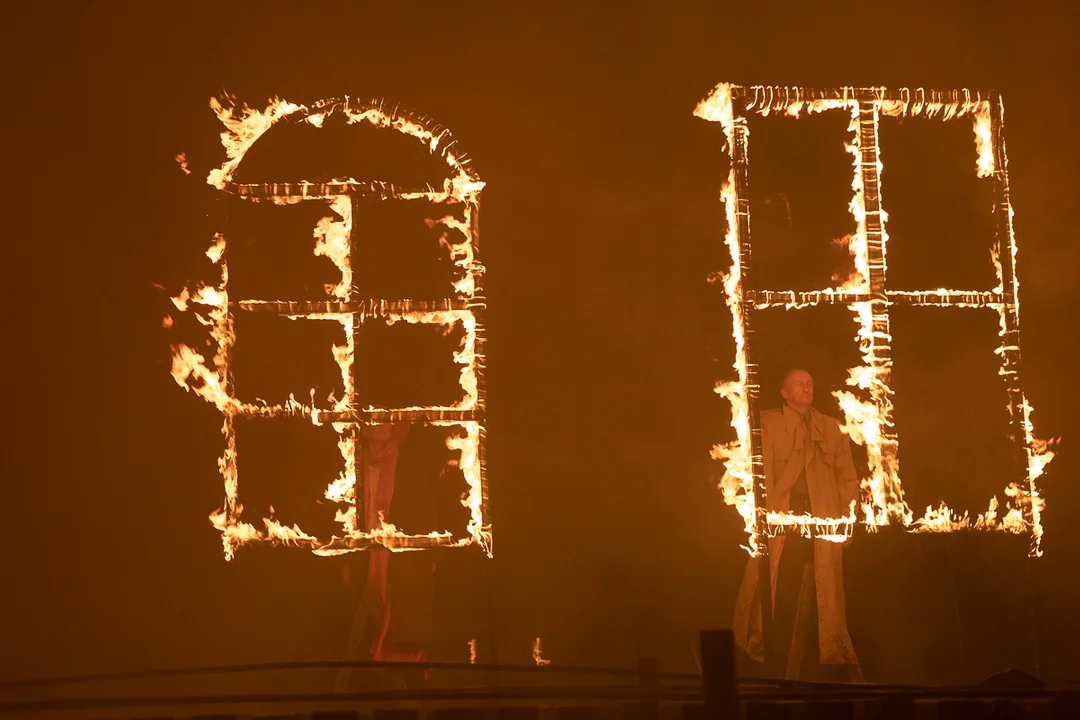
(808, 468)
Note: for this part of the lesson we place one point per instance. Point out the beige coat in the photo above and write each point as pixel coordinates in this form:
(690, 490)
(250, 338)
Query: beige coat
(832, 484)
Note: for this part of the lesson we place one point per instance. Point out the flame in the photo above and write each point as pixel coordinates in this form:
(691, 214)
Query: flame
(538, 656)
(984, 143)
(211, 378)
(469, 446)
(332, 240)
(868, 407)
(462, 187)
(830, 529)
(931, 103)
(464, 356)
(1039, 452)
(181, 159)
(943, 519)
(858, 244)
(243, 126)
(866, 420)
(343, 490)
(461, 254)
(216, 251)
(190, 365)
(472, 651)
(737, 483)
(717, 107)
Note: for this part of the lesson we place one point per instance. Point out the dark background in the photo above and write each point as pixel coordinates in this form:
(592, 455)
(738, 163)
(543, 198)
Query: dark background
(600, 222)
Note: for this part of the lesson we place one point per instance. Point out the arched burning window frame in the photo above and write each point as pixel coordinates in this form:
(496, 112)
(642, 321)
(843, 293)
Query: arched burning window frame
(868, 421)
(214, 381)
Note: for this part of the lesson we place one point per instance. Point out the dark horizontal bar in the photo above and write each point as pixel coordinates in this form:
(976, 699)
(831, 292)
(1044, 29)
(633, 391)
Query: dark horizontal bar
(411, 695)
(326, 190)
(556, 669)
(814, 694)
(372, 308)
(762, 299)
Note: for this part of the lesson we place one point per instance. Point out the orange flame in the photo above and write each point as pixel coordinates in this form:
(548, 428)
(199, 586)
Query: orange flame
(866, 420)
(469, 445)
(737, 483)
(332, 241)
(984, 143)
(243, 126)
(181, 159)
(537, 653)
(210, 379)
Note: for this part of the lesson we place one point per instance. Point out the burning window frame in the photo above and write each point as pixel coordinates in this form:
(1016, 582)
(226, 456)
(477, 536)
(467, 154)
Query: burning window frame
(213, 379)
(867, 407)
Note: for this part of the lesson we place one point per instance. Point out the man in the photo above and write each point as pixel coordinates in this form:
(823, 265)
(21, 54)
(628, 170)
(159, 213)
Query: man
(405, 613)
(808, 469)
(395, 619)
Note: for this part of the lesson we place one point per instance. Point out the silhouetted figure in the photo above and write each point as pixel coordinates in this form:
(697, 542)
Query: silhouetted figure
(808, 469)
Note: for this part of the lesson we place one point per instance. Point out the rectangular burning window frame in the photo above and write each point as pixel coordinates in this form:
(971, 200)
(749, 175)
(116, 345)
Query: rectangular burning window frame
(214, 381)
(347, 418)
(868, 421)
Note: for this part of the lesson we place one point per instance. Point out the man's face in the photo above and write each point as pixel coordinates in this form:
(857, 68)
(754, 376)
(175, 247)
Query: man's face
(798, 388)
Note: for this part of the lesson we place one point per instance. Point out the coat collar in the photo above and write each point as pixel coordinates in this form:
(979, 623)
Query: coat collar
(792, 420)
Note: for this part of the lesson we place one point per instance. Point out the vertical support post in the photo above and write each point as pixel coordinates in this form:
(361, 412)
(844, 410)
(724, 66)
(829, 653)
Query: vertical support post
(359, 625)
(740, 175)
(879, 350)
(1009, 310)
(226, 336)
(476, 305)
(353, 394)
(719, 674)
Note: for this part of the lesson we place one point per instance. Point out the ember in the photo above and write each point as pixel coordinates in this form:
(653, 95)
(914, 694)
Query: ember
(538, 653)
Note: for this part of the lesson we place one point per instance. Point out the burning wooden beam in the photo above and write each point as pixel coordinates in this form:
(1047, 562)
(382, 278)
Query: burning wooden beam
(212, 378)
(367, 308)
(867, 295)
